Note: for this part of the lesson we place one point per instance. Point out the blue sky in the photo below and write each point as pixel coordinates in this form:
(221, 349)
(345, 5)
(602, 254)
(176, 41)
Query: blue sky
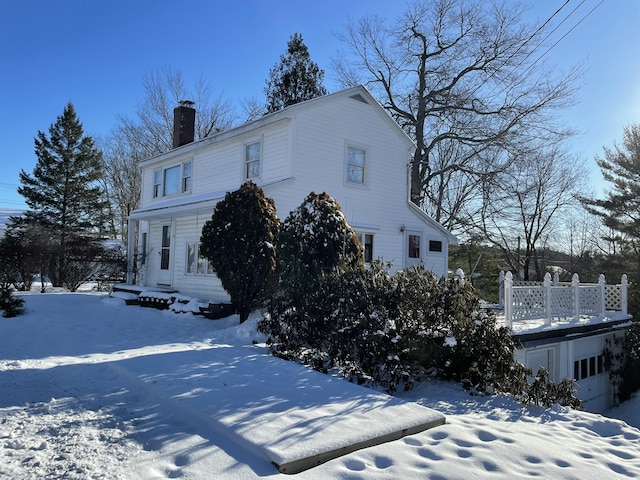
(95, 53)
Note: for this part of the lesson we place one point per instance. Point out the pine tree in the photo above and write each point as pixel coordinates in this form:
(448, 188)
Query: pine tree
(295, 79)
(63, 193)
(620, 210)
(240, 243)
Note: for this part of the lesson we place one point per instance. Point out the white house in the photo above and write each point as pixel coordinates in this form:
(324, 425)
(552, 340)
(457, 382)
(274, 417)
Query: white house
(344, 144)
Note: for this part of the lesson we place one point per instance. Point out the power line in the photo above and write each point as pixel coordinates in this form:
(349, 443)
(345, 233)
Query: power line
(525, 43)
(565, 35)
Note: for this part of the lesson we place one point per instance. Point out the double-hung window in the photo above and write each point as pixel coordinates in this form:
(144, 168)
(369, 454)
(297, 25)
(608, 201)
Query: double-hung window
(196, 263)
(366, 240)
(356, 165)
(186, 177)
(157, 183)
(252, 157)
(172, 180)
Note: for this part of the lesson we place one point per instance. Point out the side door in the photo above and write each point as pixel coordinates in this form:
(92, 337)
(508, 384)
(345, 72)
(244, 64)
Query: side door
(414, 250)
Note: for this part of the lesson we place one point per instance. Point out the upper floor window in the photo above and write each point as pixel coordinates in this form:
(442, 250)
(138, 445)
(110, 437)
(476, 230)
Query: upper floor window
(157, 183)
(252, 156)
(356, 165)
(186, 177)
(172, 180)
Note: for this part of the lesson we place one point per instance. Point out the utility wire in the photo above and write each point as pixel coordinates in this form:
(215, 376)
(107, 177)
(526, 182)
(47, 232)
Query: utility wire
(523, 44)
(563, 36)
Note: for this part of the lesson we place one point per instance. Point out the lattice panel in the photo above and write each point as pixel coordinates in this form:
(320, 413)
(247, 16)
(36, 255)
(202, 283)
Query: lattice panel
(590, 300)
(562, 300)
(528, 303)
(613, 296)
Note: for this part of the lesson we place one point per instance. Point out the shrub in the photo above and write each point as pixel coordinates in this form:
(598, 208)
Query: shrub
(11, 306)
(240, 243)
(544, 393)
(394, 330)
(622, 355)
(316, 240)
(622, 352)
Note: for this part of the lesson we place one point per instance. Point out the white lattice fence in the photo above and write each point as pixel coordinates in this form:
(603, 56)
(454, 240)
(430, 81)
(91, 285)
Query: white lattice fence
(591, 301)
(613, 296)
(528, 302)
(562, 301)
(549, 300)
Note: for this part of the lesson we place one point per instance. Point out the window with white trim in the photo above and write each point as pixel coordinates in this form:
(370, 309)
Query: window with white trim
(366, 240)
(435, 246)
(186, 177)
(172, 180)
(157, 183)
(589, 367)
(252, 157)
(356, 165)
(196, 263)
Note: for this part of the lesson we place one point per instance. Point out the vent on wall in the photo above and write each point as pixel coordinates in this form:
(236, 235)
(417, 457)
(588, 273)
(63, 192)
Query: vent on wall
(359, 98)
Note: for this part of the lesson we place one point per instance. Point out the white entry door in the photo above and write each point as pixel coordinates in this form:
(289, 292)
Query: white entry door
(164, 277)
(413, 248)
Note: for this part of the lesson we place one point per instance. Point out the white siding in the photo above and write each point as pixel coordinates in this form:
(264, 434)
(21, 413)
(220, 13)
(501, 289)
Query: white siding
(303, 150)
(560, 357)
(187, 230)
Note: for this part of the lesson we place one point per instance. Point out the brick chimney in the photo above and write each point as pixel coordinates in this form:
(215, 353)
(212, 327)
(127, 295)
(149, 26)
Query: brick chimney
(184, 123)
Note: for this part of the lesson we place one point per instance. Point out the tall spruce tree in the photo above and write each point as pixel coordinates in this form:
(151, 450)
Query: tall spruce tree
(63, 193)
(295, 79)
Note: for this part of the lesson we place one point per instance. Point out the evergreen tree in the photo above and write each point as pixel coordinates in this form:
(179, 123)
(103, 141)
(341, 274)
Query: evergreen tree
(63, 193)
(295, 79)
(316, 240)
(240, 243)
(620, 210)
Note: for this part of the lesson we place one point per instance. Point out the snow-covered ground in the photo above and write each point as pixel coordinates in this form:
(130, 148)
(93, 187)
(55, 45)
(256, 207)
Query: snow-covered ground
(93, 389)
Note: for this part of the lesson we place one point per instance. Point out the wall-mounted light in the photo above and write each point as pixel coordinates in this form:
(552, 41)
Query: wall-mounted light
(402, 228)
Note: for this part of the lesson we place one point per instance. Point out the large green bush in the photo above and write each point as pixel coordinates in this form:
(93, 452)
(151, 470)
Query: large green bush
(316, 240)
(240, 243)
(394, 330)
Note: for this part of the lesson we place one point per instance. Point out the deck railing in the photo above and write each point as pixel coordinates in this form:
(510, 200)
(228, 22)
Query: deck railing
(551, 299)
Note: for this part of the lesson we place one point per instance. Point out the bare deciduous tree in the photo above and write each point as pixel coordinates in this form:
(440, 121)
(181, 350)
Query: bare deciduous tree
(152, 129)
(123, 180)
(150, 133)
(527, 205)
(462, 78)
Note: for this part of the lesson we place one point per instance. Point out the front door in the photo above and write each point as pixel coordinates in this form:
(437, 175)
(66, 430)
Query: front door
(413, 246)
(164, 277)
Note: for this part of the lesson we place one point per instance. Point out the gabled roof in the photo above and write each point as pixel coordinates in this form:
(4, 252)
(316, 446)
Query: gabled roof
(358, 93)
(430, 221)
